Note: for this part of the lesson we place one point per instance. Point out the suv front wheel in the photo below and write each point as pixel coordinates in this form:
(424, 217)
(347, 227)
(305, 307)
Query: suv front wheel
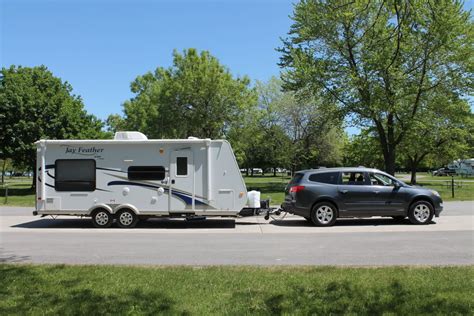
(324, 214)
(421, 213)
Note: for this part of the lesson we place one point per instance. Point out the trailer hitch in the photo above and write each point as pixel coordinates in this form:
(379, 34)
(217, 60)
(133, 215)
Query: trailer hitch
(272, 211)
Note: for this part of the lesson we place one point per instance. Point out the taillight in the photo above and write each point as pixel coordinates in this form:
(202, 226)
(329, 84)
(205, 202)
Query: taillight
(297, 188)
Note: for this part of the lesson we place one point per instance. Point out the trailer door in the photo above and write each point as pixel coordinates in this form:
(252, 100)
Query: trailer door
(181, 183)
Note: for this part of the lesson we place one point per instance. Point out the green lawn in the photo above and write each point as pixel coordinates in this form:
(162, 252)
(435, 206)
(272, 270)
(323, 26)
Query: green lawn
(19, 192)
(92, 290)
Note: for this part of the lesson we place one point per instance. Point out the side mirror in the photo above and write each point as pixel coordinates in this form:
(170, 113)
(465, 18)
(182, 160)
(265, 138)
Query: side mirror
(396, 185)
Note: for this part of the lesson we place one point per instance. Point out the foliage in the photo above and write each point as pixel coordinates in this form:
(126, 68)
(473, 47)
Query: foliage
(291, 132)
(441, 132)
(380, 61)
(196, 96)
(36, 105)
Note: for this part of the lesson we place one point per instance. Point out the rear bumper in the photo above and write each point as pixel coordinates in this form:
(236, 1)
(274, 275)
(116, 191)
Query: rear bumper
(292, 209)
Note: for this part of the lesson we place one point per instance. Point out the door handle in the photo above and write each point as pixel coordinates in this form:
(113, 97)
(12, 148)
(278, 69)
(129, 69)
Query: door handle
(343, 191)
(376, 192)
(172, 181)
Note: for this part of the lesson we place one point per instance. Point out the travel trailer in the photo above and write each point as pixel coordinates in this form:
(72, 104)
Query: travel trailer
(463, 167)
(131, 178)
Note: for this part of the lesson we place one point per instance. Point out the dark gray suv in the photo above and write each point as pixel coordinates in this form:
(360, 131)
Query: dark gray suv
(323, 195)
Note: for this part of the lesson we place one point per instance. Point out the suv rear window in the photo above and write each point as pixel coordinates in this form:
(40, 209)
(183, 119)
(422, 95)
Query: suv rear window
(325, 177)
(297, 178)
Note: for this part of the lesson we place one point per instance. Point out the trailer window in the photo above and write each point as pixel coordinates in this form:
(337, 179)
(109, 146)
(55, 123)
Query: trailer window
(181, 166)
(74, 175)
(146, 173)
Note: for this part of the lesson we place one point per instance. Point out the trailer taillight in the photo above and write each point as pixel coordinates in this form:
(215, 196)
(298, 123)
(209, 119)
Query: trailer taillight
(296, 188)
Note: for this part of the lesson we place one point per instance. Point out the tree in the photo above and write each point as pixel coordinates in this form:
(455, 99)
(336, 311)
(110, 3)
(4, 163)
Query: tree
(363, 150)
(379, 60)
(442, 129)
(36, 105)
(197, 96)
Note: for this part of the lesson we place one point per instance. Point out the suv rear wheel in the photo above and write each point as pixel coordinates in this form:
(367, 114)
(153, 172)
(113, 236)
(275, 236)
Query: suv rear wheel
(421, 213)
(324, 214)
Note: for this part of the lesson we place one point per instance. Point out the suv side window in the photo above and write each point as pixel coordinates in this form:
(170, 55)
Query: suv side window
(354, 178)
(325, 177)
(380, 179)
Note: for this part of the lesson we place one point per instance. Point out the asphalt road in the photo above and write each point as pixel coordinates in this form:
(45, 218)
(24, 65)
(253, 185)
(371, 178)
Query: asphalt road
(449, 240)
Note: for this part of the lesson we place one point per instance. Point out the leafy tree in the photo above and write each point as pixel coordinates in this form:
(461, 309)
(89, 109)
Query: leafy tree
(442, 129)
(197, 96)
(363, 150)
(302, 135)
(380, 60)
(34, 105)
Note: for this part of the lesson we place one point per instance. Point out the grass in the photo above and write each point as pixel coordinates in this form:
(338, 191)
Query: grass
(270, 187)
(20, 194)
(66, 290)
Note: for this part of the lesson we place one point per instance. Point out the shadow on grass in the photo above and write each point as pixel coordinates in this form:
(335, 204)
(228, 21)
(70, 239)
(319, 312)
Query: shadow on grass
(12, 191)
(343, 297)
(43, 293)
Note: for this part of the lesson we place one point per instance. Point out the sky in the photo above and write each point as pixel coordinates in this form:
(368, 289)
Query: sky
(101, 46)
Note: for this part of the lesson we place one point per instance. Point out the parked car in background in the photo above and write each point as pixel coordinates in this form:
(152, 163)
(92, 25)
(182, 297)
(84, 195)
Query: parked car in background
(323, 195)
(444, 172)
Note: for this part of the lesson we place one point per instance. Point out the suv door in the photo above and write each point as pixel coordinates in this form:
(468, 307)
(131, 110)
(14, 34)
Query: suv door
(390, 197)
(355, 193)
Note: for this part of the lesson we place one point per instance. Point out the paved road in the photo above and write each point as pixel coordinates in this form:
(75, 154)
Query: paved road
(254, 241)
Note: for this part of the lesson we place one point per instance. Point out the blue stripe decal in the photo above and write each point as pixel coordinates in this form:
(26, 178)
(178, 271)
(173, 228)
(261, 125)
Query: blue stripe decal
(185, 197)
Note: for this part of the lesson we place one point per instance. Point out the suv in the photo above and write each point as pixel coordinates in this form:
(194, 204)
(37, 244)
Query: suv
(323, 195)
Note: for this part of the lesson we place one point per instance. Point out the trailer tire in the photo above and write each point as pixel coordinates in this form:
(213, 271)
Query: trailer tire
(101, 218)
(126, 218)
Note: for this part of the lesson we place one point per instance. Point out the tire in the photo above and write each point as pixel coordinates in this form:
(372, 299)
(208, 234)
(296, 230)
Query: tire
(102, 218)
(126, 218)
(324, 214)
(421, 213)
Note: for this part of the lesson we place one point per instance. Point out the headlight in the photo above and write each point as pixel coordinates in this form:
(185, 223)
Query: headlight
(435, 193)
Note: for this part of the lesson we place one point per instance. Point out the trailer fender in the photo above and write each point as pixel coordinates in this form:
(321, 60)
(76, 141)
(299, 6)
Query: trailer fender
(96, 206)
(127, 206)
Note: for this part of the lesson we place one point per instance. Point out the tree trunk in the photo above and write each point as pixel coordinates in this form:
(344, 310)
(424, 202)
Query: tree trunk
(389, 160)
(274, 171)
(413, 174)
(3, 170)
(247, 172)
(251, 172)
(33, 182)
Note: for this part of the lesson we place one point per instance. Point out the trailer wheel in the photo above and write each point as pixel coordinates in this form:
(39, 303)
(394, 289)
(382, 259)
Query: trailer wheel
(126, 218)
(102, 218)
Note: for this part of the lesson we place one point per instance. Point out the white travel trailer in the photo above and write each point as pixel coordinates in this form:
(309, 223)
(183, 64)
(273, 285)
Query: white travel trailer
(131, 177)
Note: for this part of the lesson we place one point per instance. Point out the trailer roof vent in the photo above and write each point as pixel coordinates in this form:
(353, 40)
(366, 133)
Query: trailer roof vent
(129, 136)
(192, 137)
